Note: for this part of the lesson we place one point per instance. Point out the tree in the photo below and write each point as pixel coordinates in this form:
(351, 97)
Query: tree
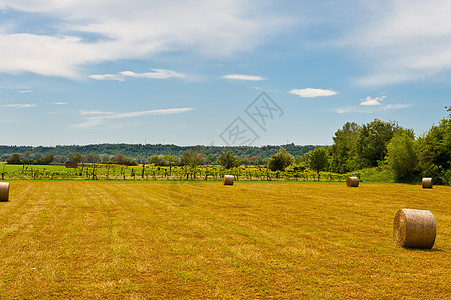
(343, 151)
(402, 155)
(435, 151)
(75, 157)
(228, 160)
(192, 157)
(48, 158)
(14, 159)
(373, 140)
(280, 160)
(317, 159)
(156, 160)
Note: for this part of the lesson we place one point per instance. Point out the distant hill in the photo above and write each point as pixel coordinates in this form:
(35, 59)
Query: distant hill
(138, 151)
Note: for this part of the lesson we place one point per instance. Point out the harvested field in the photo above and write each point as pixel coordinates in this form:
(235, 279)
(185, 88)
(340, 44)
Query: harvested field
(204, 240)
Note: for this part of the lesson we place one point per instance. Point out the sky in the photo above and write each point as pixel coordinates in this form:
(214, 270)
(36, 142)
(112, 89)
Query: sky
(223, 72)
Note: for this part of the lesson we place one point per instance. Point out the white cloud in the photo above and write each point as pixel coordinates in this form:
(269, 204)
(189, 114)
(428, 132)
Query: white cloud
(18, 105)
(370, 109)
(157, 74)
(90, 32)
(312, 93)
(244, 77)
(96, 117)
(401, 40)
(59, 103)
(25, 92)
(368, 101)
(107, 77)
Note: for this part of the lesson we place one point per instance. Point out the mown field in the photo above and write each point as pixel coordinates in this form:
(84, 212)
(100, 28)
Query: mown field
(166, 240)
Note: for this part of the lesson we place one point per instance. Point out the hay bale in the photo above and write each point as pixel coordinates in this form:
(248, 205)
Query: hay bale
(352, 181)
(426, 183)
(228, 180)
(4, 191)
(414, 228)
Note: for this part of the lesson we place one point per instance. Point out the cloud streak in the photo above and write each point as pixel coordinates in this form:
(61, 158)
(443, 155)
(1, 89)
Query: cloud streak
(312, 93)
(370, 109)
(95, 118)
(18, 105)
(243, 77)
(122, 76)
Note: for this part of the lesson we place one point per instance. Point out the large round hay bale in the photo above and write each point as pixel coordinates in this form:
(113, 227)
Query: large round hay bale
(414, 228)
(4, 191)
(352, 181)
(228, 179)
(427, 183)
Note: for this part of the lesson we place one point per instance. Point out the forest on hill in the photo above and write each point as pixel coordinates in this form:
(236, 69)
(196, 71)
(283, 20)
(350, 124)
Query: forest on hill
(141, 153)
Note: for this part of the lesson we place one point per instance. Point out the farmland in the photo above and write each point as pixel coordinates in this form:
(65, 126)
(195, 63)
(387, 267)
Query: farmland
(154, 173)
(200, 239)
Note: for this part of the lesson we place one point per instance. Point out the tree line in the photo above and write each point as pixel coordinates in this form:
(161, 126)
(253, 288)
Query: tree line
(386, 144)
(140, 153)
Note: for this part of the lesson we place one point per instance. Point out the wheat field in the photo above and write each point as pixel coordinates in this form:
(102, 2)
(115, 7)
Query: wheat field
(179, 240)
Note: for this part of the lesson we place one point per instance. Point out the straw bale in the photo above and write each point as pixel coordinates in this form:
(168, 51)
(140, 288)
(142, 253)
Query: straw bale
(352, 181)
(228, 179)
(414, 228)
(426, 183)
(4, 191)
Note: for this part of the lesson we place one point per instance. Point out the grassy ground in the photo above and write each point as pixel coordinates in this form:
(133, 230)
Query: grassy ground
(206, 240)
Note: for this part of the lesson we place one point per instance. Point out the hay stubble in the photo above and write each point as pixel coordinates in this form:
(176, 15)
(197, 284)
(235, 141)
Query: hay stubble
(109, 240)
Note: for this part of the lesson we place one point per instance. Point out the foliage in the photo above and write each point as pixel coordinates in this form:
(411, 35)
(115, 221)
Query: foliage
(75, 157)
(192, 158)
(228, 160)
(373, 140)
(14, 159)
(343, 151)
(435, 151)
(142, 152)
(402, 155)
(317, 159)
(281, 160)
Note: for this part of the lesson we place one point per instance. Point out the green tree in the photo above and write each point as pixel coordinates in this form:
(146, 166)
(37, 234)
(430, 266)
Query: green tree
(14, 159)
(192, 157)
(317, 159)
(157, 160)
(228, 160)
(402, 155)
(343, 151)
(75, 157)
(373, 140)
(48, 158)
(280, 160)
(435, 151)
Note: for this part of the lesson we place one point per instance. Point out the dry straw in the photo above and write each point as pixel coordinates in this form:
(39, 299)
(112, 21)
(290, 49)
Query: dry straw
(228, 179)
(427, 183)
(414, 228)
(4, 191)
(352, 181)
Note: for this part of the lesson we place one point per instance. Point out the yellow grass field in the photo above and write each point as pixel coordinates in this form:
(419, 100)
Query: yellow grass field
(169, 240)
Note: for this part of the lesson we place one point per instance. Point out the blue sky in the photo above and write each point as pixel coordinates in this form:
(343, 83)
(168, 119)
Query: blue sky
(218, 72)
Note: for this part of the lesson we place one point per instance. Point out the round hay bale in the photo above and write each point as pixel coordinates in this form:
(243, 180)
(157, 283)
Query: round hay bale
(4, 191)
(414, 228)
(352, 181)
(228, 179)
(426, 183)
